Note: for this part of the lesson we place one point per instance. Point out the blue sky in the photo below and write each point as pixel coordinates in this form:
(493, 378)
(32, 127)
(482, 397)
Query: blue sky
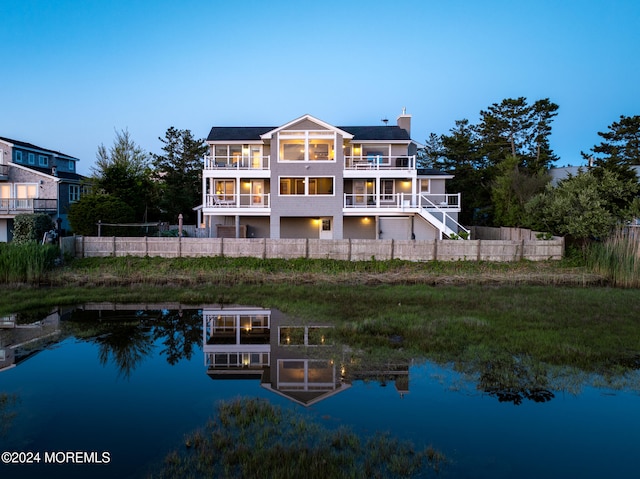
(74, 71)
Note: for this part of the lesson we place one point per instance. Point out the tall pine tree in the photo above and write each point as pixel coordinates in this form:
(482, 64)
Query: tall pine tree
(179, 173)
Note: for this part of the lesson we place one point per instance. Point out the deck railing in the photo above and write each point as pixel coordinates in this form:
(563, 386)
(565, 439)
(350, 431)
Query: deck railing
(237, 162)
(403, 200)
(238, 201)
(29, 205)
(379, 162)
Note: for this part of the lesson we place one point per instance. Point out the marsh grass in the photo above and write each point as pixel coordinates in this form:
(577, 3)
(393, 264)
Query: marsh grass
(7, 414)
(225, 271)
(618, 259)
(594, 329)
(26, 263)
(250, 438)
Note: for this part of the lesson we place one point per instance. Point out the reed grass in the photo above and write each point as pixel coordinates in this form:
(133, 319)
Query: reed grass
(617, 258)
(250, 438)
(26, 263)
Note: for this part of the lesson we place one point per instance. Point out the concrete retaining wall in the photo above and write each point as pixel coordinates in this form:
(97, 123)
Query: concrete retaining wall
(349, 250)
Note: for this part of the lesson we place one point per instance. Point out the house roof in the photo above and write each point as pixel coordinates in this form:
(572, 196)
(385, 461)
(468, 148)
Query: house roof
(360, 133)
(238, 133)
(369, 133)
(24, 144)
(60, 175)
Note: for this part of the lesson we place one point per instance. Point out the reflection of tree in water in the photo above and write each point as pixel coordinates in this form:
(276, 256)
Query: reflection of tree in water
(179, 332)
(125, 338)
(7, 402)
(514, 378)
(126, 344)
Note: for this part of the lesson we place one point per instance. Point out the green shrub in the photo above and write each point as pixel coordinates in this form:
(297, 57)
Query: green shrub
(31, 227)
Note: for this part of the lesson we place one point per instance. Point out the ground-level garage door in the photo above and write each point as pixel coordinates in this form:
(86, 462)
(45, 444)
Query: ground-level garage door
(395, 228)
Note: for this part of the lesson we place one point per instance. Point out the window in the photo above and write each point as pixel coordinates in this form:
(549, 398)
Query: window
(25, 193)
(43, 160)
(292, 150)
(18, 157)
(388, 190)
(74, 193)
(372, 154)
(424, 186)
(306, 186)
(32, 158)
(225, 190)
(5, 195)
(72, 165)
(236, 155)
(306, 146)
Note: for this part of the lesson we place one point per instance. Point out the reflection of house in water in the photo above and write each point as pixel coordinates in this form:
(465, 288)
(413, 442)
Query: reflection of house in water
(22, 339)
(292, 360)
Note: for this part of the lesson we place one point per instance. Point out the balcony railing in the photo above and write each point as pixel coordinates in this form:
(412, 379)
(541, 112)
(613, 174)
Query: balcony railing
(237, 162)
(379, 162)
(238, 201)
(31, 205)
(403, 200)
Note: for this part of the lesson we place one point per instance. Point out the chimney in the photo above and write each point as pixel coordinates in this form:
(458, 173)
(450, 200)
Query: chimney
(404, 121)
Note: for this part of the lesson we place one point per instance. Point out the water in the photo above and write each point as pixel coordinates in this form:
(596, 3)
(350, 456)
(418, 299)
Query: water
(133, 383)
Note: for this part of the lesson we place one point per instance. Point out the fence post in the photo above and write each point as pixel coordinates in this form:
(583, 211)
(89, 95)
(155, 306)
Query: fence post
(522, 249)
(479, 250)
(114, 247)
(349, 256)
(179, 246)
(435, 249)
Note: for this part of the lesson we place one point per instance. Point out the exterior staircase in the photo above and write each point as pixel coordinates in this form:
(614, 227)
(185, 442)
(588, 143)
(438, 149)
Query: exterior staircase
(438, 217)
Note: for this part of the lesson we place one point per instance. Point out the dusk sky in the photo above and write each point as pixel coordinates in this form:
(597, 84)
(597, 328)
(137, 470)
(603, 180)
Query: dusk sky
(74, 71)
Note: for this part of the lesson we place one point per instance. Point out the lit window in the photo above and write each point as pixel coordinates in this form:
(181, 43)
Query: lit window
(224, 190)
(306, 186)
(292, 150)
(307, 146)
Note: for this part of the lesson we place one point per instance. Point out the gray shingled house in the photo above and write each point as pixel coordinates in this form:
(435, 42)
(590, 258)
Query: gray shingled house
(310, 179)
(35, 180)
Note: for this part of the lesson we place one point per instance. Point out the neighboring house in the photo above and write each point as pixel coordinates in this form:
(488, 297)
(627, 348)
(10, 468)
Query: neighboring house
(559, 173)
(310, 179)
(35, 180)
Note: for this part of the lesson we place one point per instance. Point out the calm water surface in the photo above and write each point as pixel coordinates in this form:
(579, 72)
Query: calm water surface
(133, 382)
